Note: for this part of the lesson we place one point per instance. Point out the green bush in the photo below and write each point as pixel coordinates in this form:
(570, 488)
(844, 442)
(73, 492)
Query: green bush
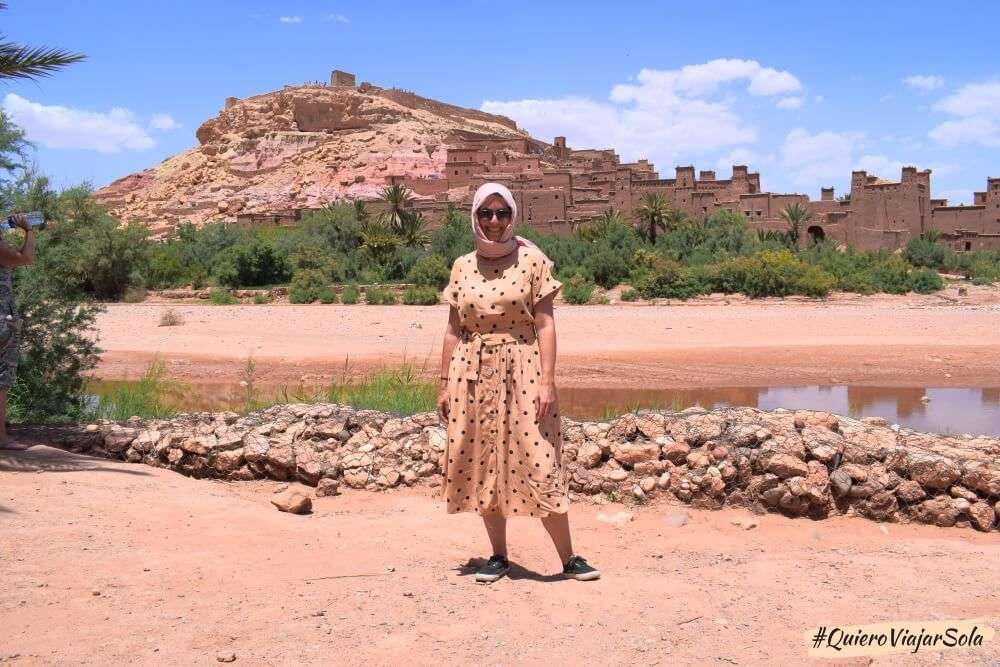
(327, 295)
(981, 280)
(223, 297)
(577, 290)
(306, 285)
(891, 275)
(430, 270)
(631, 294)
(423, 295)
(350, 295)
(381, 296)
(668, 279)
(251, 264)
(922, 252)
(261, 299)
(925, 281)
(772, 273)
(814, 281)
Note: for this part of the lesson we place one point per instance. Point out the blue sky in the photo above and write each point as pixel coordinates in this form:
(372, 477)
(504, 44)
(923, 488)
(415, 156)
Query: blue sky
(803, 92)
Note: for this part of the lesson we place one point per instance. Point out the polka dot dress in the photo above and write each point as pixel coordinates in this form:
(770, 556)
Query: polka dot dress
(500, 459)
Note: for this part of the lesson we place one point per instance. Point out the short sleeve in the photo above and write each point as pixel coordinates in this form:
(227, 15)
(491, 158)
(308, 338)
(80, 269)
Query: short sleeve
(544, 282)
(450, 293)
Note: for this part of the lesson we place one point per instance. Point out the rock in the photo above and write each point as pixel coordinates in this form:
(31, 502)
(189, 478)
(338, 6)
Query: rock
(589, 454)
(676, 452)
(632, 453)
(617, 475)
(648, 484)
(910, 492)
(938, 511)
(745, 523)
(934, 472)
(293, 501)
(226, 656)
(618, 519)
(840, 483)
(327, 487)
(785, 465)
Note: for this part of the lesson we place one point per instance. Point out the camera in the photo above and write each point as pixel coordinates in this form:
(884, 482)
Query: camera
(35, 219)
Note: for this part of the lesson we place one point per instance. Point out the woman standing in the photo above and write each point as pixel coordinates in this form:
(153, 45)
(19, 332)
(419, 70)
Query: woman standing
(10, 322)
(498, 395)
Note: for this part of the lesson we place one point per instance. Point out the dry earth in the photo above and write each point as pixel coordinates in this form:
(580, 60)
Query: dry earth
(936, 340)
(110, 563)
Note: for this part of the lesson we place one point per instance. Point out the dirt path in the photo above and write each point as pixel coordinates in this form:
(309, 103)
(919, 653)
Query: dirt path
(110, 563)
(880, 340)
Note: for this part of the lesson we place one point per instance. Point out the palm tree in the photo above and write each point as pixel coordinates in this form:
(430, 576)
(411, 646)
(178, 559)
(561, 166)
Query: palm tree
(412, 229)
(399, 199)
(25, 62)
(674, 219)
(380, 241)
(600, 226)
(652, 213)
(360, 212)
(795, 215)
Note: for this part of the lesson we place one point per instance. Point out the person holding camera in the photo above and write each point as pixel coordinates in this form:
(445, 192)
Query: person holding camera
(10, 321)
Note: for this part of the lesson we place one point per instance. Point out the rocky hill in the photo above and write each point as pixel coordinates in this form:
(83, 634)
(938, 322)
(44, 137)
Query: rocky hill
(299, 147)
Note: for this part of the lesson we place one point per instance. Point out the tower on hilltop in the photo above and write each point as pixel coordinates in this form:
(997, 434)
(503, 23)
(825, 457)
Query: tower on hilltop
(340, 79)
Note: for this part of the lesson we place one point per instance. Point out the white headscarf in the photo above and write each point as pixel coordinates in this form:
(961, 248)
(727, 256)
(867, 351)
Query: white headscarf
(508, 242)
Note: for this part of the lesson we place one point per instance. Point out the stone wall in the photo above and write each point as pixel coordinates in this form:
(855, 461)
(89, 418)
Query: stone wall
(800, 463)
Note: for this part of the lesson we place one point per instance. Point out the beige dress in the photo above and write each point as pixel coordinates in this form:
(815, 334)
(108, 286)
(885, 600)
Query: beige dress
(500, 459)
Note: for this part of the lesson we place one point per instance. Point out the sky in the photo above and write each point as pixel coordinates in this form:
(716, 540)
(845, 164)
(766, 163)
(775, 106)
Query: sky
(802, 92)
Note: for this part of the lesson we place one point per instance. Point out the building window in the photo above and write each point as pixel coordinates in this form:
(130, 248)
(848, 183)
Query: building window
(968, 245)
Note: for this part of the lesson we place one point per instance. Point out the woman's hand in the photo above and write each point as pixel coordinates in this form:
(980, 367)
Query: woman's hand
(21, 220)
(442, 403)
(546, 401)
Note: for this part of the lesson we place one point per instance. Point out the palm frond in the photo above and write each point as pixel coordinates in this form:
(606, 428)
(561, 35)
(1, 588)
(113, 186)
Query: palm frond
(25, 62)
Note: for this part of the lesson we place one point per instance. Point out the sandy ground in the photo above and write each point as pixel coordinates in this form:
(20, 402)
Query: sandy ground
(109, 563)
(936, 340)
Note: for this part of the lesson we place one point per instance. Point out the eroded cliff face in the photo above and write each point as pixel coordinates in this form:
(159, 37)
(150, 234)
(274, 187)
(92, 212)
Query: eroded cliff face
(299, 147)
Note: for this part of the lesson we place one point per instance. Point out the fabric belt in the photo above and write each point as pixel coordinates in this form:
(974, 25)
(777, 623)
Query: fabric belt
(473, 343)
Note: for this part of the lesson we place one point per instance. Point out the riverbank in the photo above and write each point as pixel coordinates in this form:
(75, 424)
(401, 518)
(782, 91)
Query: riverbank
(942, 340)
(140, 565)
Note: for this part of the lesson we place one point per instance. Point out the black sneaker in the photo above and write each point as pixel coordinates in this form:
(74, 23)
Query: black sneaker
(494, 568)
(576, 568)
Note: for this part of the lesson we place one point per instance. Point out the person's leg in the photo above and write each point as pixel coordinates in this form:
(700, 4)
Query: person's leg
(5, 441)
(557, 526)
(496, 528)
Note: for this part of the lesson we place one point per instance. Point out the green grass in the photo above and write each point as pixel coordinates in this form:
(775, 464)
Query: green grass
(145, 398)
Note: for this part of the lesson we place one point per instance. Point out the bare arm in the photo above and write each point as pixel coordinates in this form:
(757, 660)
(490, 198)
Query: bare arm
(450, 340)
(545, 324)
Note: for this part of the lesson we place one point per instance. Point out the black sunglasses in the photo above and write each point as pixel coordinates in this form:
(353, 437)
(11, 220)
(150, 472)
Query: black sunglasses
(486, 214)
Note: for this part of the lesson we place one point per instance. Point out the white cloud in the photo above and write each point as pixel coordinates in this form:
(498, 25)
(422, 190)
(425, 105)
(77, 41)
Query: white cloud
(661, 114)
(881, 165)
(977, 107)
(790, 102)
(163, 122)
(339, 18)
(813, 158)
(736, 156)
(924, 82)
(64, 127)
(291, 19)
(886, 98)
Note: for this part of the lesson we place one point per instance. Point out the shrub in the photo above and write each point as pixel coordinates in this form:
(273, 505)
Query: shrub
(631, 294)
(306, 285)
(423, 295)
(261, 299)
(349, 295)
(772, 273)
(134, 295)
(430, 270)
(925, 281)
(667, 279)
(578, 290)
(223, 297)
(981, 280)
(327, 295)
(891, 275)
(171, 318)
(923, 252)
(250, 264)
(814, 281)
(381, 296)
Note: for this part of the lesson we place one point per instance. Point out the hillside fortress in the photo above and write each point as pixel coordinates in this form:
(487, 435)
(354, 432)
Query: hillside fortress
(267, 159)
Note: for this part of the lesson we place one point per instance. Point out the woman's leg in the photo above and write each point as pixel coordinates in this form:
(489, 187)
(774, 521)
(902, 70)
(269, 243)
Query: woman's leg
(496, 528)
(558, 527)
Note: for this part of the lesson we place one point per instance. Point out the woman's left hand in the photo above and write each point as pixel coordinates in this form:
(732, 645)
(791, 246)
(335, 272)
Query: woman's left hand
(546, 401)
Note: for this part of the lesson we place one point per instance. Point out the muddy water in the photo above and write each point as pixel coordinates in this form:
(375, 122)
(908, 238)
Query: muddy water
(936, 410)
